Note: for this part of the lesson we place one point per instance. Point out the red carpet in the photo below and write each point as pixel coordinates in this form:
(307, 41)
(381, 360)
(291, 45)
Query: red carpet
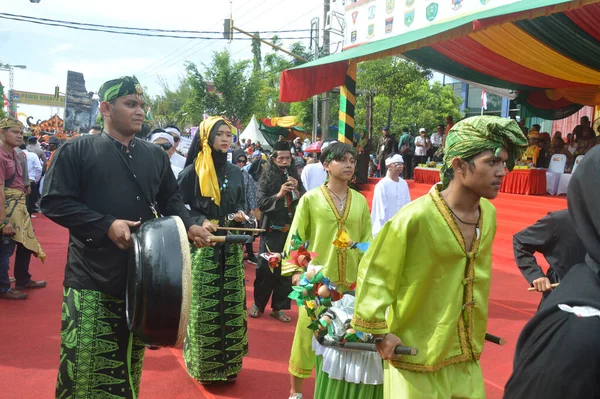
(30, 329)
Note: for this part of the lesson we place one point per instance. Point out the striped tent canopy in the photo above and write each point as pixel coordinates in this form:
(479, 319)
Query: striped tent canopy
(548, 51)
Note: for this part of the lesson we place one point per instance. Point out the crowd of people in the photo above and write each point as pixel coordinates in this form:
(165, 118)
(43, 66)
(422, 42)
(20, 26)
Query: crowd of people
(104, 185)
(542, 147)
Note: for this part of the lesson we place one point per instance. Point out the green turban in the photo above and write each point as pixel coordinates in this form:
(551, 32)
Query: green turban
(123, 86)
(9, 122)
(477, 134)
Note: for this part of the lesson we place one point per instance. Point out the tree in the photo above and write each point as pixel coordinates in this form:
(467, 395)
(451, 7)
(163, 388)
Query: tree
(415, 102)
(235, 90)
(167, 108)
(194, 105)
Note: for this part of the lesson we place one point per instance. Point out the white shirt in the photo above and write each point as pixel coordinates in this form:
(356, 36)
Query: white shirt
(388, 198)
(34, 166)
(436, 139)
(178, 160)
(420, 151)
(313, 175)
(176, 170)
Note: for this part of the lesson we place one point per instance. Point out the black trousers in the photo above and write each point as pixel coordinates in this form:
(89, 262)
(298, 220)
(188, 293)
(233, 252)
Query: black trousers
(249, 250)
(407, 173)
(269, 283)
(382, 168)
(33, 197)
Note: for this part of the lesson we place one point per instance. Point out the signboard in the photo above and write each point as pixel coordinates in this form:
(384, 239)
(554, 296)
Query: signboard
(27, 97)
(371, 20)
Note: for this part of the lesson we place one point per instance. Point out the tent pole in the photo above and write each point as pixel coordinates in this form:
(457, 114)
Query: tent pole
(347, 105)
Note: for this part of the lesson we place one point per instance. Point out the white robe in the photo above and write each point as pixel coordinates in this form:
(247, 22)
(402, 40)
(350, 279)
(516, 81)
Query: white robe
(178, 160)
(388, 198)
(313, 175)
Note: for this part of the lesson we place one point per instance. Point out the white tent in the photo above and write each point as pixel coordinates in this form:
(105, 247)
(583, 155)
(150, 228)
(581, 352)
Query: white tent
(253, 133)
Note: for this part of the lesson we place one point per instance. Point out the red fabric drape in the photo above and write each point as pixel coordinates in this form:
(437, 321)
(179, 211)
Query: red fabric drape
(566, 125)
(470, 53)
(527, 182)
(300, 84)
(587, 19)
(539, 99)
(427, 176)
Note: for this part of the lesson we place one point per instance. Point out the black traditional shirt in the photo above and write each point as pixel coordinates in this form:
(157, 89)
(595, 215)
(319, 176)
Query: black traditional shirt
(277, 212)
(555, 237)
(233, 195)
(89, 185)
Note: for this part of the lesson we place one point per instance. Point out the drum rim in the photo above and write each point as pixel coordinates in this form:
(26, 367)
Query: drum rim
(186, 282)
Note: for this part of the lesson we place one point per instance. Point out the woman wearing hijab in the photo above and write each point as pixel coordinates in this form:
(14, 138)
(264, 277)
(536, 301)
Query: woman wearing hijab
(217, 337)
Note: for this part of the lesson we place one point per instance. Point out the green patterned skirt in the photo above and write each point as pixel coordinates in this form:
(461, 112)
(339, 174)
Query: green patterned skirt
(217, 332)
(99, 357)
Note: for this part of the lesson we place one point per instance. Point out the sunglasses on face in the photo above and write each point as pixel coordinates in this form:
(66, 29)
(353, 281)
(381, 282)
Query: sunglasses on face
(165, 146)
(241, 161)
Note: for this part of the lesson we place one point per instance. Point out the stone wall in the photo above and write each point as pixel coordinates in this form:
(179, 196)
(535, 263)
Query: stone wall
(81, 109)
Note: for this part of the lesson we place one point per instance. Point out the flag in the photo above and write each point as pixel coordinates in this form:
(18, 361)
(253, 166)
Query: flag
(483, 99)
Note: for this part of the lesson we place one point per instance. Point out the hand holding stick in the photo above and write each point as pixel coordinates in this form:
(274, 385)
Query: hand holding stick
(532, 289)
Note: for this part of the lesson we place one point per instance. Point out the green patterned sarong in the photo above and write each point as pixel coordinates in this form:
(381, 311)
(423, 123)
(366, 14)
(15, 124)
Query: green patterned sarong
(99, 357)
(217, 333)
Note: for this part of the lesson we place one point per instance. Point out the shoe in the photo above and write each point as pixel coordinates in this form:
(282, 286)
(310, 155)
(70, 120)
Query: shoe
(152, 347)
(296, 396)
(31, 285)
(13, 294)
(32, 216)
(252, 259)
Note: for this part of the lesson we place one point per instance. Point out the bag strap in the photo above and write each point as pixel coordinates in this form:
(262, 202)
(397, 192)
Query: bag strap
(11, 179)
(152, 204)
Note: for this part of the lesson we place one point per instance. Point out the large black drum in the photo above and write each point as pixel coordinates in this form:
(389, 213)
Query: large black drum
(159, 282)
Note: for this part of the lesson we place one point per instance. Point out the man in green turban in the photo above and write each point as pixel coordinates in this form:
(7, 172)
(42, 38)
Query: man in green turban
(431, 265)
(102, 187)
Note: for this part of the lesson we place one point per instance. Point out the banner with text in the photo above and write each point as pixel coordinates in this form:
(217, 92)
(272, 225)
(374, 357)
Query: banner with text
(371, 20)
(27, 97)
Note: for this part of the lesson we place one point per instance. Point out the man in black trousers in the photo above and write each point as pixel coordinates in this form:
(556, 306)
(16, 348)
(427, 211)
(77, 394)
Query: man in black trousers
(279, 190)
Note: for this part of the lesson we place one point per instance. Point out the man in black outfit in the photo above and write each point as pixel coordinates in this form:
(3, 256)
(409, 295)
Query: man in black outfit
(388, 145)
(555, 237)
(558, 352)
(279, 190)
(102, 187)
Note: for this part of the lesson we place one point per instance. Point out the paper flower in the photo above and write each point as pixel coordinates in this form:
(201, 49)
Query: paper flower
(273, 258)
(342, 240)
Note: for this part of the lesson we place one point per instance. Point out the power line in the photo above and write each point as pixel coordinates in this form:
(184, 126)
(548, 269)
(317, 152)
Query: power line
(26, 18)
(131, 33)
(188, 54)
(287, 23)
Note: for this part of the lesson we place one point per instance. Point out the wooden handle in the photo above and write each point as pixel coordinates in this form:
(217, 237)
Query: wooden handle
(494, 339)
(531, 289)
(231, 239)
(241, 229)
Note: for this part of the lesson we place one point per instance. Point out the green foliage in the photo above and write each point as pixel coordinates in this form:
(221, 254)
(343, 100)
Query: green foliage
(416, 102)
(235, 91)
(2, 112)
(193, 108)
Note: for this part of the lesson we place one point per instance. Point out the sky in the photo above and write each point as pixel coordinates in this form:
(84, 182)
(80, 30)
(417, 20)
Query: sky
(49, 52)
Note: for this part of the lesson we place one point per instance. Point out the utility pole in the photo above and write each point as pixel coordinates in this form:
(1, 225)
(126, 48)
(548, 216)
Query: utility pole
(325, 52)
(315, 27)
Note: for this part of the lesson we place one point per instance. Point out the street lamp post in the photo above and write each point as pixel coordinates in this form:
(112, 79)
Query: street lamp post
(11, 83)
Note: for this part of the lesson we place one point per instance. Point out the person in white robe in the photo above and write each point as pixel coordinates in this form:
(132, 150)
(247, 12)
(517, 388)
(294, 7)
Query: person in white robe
(314, 175)
(391, 193)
